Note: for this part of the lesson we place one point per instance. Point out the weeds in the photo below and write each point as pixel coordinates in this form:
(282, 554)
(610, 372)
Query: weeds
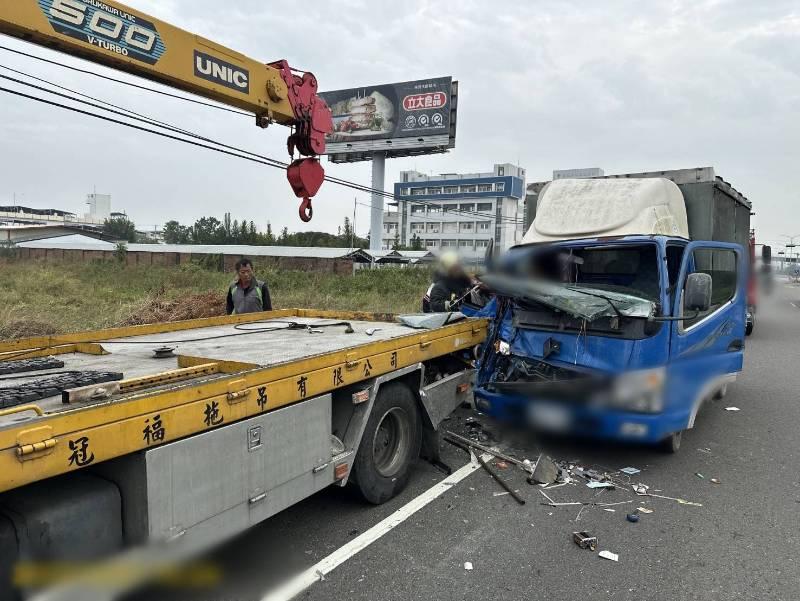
(48, 298)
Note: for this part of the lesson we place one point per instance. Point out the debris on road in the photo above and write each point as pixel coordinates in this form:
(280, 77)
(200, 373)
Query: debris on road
(468, 565)
(644, 510)
(545, 472)
(501, 465)
(596, 484)
(501, 482)
(608, 555)
(632, 517)
(584, 540)
(732, 409)
(715, 480)
(630, 470)
(699, 475)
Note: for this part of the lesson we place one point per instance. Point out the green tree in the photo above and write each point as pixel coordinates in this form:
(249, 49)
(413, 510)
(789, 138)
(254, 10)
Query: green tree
(269, 237)
(120, 228)
(396, 243)
(416, 243)
(207, 230)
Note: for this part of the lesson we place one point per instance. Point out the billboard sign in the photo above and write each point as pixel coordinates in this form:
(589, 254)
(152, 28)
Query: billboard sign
(401, 118)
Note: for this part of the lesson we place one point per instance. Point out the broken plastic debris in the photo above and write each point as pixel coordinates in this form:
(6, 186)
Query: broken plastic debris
(595, 484)
(644, 510)
(546, 471)
(685, 502)
(609, 555)
(640, 489)
(609, 509)
(467, 565)
(699, 475)
(731, 409)
(630, 470)
(715, 480)
(501, 465)
(499, 494)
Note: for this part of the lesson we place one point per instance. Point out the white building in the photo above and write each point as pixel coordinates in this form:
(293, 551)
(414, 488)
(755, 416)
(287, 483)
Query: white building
(458, 211)
(99, 206)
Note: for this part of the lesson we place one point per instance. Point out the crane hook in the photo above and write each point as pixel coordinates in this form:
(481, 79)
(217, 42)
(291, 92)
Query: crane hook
(306, 210)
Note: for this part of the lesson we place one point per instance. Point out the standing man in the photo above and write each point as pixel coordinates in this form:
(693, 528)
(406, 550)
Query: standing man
(247, 294)
(450, 288)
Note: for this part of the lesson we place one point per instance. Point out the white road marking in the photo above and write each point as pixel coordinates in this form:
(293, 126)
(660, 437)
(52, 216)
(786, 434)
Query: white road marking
(319, 570)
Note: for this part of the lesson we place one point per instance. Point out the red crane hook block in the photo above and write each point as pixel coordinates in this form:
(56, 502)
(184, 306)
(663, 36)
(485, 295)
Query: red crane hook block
(305, 176)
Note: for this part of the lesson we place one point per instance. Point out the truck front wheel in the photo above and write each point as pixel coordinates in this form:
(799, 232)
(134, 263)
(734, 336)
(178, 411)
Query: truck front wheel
(672, 443)
(390, 444)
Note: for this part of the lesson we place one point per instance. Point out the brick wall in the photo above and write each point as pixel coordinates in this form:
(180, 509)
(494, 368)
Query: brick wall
(337, 266)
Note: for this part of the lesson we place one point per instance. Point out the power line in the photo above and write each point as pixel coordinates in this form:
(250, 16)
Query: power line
(237, 152)
(126, 83)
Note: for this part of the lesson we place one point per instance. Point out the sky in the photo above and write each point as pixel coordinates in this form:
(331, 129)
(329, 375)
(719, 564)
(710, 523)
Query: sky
(623, 85)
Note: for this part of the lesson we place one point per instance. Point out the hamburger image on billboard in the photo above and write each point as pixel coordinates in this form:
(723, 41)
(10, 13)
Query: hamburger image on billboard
(413, 108)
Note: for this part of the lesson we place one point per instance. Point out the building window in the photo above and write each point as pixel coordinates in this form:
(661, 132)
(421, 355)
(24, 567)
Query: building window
(417, 209)
(436, 190)
(466, 244)
(500, 186)
(467, 189)
(450, 208)
(481, 244)
(450, 227)
(469, 207)
(451, 189)
(484, 226)
(501, 171)
(485, 206)
(434, 209)
(433, 228)
(485, 188)
(417, 228)
(466, 226)
(431, 243)
(417, 191)
(404, 191)
(449, 243)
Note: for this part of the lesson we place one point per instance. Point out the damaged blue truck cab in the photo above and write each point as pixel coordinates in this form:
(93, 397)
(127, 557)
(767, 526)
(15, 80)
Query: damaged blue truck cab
(620, 335)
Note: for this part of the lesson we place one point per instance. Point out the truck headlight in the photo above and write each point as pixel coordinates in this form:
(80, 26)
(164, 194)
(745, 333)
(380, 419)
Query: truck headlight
(639, 390)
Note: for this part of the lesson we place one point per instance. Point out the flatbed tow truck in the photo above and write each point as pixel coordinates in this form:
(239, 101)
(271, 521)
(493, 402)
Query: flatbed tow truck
(216, 425)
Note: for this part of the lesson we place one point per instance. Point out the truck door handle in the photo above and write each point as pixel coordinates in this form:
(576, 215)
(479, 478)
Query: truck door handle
(736, 345)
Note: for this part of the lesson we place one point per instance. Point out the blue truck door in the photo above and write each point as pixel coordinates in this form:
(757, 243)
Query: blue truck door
(707, 349)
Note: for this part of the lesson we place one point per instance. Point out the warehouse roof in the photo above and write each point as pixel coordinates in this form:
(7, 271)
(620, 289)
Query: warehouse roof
(313, 252)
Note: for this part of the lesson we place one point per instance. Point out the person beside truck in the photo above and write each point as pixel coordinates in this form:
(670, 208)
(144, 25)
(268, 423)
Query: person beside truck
(247, 294)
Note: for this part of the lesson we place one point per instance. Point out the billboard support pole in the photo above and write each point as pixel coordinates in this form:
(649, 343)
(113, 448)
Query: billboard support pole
(376, 210)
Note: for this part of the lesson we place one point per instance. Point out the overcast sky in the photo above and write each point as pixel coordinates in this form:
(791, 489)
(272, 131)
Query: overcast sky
(622, 85)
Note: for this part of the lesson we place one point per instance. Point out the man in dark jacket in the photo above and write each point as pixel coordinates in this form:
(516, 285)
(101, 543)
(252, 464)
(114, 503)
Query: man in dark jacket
(451, 286)
(247, 294)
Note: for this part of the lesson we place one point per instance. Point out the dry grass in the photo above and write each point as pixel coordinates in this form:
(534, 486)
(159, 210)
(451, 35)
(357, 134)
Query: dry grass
(38, 298)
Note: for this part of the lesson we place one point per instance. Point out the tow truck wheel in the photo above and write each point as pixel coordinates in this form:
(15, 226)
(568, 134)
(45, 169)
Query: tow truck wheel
(672, 443)
(390, 444)
(748, 329)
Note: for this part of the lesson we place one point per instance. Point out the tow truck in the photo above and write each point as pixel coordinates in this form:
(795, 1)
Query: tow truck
(161, 440)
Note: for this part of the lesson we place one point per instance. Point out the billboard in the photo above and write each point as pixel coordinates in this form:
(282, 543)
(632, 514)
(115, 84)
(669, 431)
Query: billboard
(401, 119)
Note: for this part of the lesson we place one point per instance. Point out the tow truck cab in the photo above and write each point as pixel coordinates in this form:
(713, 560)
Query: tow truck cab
(609, 320)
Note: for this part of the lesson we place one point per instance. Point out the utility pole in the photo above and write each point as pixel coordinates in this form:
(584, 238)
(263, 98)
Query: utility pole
(791, 246)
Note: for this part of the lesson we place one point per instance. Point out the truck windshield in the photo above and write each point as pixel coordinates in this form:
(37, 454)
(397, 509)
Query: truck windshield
(585, 282)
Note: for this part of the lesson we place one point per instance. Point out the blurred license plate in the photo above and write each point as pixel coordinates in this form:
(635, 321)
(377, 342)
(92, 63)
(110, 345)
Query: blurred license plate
(549, 416)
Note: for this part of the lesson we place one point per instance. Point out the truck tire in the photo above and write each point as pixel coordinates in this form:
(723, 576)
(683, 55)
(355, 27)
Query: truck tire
(672, 443)
(748, 329)
(390, 445)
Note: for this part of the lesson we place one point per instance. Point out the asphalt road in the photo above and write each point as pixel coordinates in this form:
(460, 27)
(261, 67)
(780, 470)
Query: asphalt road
(740, 544)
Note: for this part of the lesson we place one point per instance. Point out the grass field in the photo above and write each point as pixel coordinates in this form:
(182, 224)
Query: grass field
(47, 298)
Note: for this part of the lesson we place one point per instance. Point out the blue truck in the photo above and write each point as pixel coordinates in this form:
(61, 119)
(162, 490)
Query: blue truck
(623, 309)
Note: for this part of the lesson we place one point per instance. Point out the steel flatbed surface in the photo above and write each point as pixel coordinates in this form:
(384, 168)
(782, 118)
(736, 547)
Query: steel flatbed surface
(222, 370)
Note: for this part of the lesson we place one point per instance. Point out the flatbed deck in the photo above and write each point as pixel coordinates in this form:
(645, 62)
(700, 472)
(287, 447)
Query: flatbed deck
(223, 370)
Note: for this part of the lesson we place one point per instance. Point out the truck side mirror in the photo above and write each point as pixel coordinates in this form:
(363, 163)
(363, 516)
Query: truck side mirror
(697, 293)
(766, 254)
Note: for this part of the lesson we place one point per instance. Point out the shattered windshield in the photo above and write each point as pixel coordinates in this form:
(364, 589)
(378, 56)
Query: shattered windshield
(585, 282)
(581, 302)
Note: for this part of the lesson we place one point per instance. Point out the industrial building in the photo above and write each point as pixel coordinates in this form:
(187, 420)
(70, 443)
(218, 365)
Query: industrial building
(457, 211)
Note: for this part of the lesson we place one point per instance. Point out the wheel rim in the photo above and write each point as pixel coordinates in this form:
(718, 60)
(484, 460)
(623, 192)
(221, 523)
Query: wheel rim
(391, 441)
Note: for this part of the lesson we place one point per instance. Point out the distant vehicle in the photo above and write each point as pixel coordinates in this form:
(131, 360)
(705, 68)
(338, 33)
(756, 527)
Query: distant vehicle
(624, 308)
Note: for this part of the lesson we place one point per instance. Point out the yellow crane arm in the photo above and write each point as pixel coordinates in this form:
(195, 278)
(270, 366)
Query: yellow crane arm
(117, 36)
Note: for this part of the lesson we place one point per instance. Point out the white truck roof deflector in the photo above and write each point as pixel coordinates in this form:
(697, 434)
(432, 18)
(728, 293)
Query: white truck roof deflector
(598, 208)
